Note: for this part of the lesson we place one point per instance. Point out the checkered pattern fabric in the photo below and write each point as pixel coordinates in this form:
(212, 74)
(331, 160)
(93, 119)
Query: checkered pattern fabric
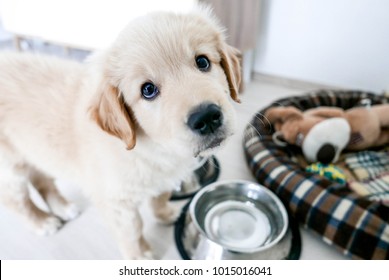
(367, 165)
(371, 169)
(357, 226)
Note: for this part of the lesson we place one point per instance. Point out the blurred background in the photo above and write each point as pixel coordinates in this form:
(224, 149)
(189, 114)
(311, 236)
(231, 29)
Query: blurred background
(330, 42)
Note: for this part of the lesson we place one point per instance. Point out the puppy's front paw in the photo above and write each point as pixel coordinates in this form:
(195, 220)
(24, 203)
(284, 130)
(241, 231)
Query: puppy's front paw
(70, 212)
(48, 226)
(66, 211)
(168, 215)
(147, 255)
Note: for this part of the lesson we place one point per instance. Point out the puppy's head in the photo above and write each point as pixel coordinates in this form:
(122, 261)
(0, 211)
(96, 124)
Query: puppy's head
(170, 78)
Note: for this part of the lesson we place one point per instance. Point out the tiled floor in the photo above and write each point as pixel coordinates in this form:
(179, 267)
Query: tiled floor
(88, 238)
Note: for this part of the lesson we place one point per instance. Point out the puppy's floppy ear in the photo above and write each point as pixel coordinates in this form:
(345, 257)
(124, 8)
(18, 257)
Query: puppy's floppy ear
(282, 114)
(230, 62)
(113, 115)
(326, 112)
(280, 117)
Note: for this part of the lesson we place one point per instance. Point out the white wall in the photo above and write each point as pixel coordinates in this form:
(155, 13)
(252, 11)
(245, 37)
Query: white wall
(88, 24)
(335, 42)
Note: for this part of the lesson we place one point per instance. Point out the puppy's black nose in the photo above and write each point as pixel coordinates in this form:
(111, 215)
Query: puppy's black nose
(326, 154)
(205, 119)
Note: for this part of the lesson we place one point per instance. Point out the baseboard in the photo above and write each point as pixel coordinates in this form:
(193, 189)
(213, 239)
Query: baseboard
(292, 83)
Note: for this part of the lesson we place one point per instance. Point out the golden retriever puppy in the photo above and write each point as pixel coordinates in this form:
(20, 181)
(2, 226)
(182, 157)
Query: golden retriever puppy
(126, 126)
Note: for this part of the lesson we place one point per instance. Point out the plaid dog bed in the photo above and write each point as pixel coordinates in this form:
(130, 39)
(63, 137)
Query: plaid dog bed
(371, 169)
(367, 165)
(357, 226)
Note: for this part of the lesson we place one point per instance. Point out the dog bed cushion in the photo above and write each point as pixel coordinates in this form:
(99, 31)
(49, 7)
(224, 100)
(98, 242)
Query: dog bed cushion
(356, 225)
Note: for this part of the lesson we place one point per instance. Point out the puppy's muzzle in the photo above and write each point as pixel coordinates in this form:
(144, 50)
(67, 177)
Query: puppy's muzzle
(205, 119)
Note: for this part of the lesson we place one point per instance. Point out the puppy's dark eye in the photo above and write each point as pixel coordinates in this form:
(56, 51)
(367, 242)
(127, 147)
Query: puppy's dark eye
(149, 91)
(203, 63)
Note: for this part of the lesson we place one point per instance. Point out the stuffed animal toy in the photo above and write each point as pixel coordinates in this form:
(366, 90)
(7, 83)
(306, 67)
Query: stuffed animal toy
(324, 132)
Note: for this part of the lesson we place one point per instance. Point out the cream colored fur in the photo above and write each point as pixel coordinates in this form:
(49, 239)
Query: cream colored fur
(89, 124)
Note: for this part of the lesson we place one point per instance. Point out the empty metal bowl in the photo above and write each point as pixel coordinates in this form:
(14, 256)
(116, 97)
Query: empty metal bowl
(235, 220)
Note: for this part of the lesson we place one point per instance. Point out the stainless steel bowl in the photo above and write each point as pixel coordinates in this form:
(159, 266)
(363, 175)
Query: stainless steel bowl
(235, 220)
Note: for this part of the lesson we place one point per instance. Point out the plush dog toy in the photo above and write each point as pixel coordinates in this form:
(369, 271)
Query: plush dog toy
(324, 132)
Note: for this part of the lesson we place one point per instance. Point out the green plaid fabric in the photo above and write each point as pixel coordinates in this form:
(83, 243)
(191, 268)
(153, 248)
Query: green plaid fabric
(355, 225)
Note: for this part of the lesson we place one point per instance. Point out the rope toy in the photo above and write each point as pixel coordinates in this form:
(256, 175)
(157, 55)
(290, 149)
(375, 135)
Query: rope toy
(328, 171)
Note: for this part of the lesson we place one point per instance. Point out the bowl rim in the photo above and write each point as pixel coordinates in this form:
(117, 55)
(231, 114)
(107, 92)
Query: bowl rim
(272, 195)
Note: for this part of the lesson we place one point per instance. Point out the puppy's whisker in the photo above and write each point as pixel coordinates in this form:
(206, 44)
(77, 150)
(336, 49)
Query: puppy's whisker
(269, 125)
(212, 163)
(279, 104)
(254, 132)
(259, 119)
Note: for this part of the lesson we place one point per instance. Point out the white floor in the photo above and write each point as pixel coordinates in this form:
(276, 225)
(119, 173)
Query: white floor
(88, 238)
